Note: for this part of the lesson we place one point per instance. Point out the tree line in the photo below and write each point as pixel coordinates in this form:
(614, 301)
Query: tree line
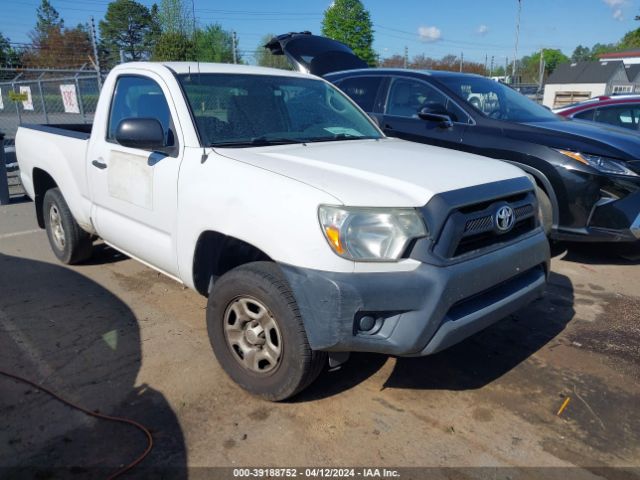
(167, 31)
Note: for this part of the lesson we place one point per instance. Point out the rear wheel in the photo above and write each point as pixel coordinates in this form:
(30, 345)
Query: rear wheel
(257, 333)
(68, 241)
(545, 211)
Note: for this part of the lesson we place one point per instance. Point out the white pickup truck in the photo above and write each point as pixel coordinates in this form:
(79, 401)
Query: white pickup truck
(312, 234)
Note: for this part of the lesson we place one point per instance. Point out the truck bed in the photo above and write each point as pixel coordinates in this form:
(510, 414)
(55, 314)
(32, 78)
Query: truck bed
(74, 130)
(58, 154)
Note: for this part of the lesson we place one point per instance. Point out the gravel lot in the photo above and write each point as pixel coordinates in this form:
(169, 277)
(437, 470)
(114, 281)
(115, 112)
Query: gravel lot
(117, 337)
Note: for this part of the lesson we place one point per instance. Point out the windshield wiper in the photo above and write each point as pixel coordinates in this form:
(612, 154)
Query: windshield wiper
(258, 142)
(340, 136)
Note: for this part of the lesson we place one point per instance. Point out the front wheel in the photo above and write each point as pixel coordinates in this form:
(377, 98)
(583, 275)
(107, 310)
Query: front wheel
(257, 333)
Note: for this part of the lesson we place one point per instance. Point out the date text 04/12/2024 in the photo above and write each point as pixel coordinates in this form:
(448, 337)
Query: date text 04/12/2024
(316, 472)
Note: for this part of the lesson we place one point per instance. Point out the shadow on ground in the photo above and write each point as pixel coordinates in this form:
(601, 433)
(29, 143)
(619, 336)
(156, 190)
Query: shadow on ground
(103, 254)
(472, 364)
(598, 253)
(70, 334)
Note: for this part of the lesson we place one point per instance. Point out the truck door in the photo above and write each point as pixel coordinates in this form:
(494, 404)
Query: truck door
(134, 191)
(407, 96)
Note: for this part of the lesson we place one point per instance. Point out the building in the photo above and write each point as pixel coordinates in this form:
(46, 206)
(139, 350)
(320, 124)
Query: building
(629, 57)
(579, 81)
(633, 74)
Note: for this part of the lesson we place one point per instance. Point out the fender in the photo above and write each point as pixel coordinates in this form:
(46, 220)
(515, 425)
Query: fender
(546, 184)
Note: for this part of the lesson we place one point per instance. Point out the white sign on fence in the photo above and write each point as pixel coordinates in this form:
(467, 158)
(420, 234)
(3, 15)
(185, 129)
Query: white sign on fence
(28, 103)
(69, 98)
(1, 103)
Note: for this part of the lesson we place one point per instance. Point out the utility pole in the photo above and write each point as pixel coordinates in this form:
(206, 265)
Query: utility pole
(506, 69)
(406, 57)
(491, 68)
(234, 43)
(541, 69)
(122, 55)
(461, 60)
(486, 60)
(94, 43)
(515, 54)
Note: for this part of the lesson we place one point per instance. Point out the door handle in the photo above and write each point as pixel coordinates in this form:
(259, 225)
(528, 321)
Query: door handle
(99, 164)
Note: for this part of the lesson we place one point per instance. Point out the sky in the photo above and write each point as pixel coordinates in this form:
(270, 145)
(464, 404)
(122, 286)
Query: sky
(475, 28)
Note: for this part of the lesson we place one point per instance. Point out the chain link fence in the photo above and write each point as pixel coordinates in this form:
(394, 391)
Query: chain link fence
(47, 96)
(44, 96)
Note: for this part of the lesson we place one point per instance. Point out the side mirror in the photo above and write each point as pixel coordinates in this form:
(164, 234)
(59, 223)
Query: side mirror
(431, 114)
(143, 133)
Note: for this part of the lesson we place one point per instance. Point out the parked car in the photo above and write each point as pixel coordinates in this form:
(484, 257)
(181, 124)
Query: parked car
(272, 193)
(619, 111)
(587, 175)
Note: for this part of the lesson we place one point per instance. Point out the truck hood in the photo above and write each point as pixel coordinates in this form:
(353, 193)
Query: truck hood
(377, 173)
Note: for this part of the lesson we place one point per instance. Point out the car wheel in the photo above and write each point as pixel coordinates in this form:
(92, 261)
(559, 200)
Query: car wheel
(545, 211)
(68, 241)
(257, 333)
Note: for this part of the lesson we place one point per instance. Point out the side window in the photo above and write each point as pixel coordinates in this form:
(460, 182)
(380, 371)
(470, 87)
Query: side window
(585, 115)
(407, 97)
(625, 116)
(362, 90)
(139, 97)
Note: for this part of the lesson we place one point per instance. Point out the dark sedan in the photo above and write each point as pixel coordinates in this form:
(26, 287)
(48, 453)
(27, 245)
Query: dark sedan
(588, 175)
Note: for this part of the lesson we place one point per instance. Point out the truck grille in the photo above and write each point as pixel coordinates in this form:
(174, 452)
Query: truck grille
(476, 227)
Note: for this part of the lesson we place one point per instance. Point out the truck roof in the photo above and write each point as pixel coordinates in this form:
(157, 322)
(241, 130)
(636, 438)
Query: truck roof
(209, 67)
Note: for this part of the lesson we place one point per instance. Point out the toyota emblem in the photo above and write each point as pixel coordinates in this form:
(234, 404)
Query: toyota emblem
(505, 218)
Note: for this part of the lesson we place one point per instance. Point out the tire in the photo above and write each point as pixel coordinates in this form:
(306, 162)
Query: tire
(68, 241)
(545, 211)
(257, 293)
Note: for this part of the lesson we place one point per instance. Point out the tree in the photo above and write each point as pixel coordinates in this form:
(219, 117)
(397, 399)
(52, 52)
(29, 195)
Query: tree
(394, 61)
(265, 58)
(53, 45)
(581, 54)
(498, 71)
(47, 18)
(8, 55)
(173, 47)
(350, 23)
(175, 17)
(68, 48)
(630, 40)
(127, 26)
(600, 48)
(214, 44)
(530, 65)
(154, 30)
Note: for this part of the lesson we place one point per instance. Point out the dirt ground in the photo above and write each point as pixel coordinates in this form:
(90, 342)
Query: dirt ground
(118, 338)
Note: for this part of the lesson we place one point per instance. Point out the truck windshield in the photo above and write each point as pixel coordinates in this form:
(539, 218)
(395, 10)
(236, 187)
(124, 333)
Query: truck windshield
(239, 110)
(496, 100)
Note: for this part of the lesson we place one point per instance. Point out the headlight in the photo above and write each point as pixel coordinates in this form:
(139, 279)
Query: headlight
(370, 234)
(602, 164)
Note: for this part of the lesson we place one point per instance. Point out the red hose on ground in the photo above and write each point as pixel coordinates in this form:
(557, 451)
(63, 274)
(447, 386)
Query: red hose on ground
(140, 427)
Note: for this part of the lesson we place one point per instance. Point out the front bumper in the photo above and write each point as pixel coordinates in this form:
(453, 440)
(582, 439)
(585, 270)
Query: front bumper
(613, 221)
(598, 207)
(422, 311)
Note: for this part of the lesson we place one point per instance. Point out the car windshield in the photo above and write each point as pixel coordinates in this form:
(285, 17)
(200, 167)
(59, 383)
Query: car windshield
(239, 110)
(496, 100)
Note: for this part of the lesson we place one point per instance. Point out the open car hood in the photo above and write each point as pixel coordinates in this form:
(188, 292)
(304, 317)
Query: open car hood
(314, 54)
